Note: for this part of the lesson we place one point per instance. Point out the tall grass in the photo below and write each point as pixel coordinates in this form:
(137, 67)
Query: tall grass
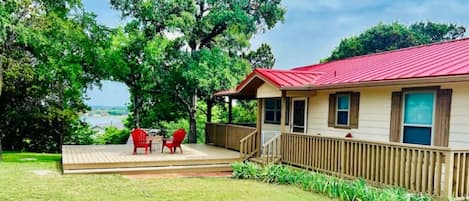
(346, 190)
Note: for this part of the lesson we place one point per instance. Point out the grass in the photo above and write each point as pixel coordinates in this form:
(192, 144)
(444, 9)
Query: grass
(19, 181)
(346, 190)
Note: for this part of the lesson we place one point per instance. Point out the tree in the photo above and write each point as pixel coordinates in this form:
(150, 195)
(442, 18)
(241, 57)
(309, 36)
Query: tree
(384, 37)
(138, 59)
(205, 31)
(262, 57)
(49, 56)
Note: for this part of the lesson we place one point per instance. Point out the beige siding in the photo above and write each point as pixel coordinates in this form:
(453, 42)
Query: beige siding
(375, 113)
(459, 122)
(266, 90)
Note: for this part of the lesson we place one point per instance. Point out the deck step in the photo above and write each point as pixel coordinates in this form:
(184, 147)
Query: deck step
(156, 170)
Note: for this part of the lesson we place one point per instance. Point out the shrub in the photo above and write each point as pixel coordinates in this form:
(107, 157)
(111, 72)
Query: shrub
(113, 135)
(81, 134)
(316, 182)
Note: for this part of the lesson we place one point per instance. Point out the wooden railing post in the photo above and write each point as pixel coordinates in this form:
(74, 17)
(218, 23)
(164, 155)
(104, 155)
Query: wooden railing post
(342, 158)
(258, 143)
(448, 185)
(226, 135)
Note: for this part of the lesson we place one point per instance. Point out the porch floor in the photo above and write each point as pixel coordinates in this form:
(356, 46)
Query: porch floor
(119, 158)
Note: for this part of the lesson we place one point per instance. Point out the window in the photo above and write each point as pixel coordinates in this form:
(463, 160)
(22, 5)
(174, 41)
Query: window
(343, 110)
(418, 117)
(272, 111)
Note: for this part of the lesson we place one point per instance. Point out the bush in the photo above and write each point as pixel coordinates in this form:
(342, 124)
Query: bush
(316, 182)
(113, 135)
(81, 134)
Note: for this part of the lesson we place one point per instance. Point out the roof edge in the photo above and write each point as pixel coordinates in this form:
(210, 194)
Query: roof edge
(406, 81)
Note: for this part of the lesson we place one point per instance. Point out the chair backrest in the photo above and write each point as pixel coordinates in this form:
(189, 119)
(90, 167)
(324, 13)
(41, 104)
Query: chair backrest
(139, 136)
(178, 136)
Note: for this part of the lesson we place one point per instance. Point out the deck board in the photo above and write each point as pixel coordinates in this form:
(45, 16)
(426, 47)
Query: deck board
(75, 157)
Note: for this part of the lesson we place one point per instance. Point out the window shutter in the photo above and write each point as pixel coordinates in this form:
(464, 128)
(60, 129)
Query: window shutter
(396, 114)
(442, 117)
(354, 108)
(332, 106)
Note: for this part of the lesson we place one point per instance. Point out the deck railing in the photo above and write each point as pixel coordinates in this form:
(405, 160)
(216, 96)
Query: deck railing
(249, 145)
(437, 171)
(227, 135)
(271, 150)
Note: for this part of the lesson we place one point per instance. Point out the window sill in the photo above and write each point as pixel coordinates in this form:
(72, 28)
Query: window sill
(342, 127)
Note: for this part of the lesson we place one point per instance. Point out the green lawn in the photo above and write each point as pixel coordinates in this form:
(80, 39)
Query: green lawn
(28, 176)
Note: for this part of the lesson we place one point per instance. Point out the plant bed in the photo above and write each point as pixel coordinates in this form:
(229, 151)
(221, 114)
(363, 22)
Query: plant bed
(347, 190)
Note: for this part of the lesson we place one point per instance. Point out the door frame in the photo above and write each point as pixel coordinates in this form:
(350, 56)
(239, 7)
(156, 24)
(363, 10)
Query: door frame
(292, 112)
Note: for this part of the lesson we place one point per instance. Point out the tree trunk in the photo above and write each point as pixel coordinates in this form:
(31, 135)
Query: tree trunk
(192, 127)
(192, 119)
(136, 111)
(209, 110)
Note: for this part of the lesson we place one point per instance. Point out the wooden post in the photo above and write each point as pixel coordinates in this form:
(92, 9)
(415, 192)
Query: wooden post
(342, 158)
(259, 125)
(230, 110)
(449, 165)
(226, 135)
(283, 112)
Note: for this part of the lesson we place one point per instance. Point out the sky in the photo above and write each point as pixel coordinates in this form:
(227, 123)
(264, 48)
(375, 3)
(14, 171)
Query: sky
(311, 30)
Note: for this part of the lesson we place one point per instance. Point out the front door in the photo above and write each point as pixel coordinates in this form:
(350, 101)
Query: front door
(298, 115)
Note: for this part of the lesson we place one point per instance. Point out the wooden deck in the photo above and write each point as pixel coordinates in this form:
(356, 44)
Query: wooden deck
(119, 159)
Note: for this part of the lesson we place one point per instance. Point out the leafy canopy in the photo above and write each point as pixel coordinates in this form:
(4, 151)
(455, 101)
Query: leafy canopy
(49, 55)
(384, 37)
(206, 38)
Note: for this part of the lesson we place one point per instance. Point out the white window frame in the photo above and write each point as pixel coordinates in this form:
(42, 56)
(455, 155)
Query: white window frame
(432, 126)
(337, 110)
(292, 104)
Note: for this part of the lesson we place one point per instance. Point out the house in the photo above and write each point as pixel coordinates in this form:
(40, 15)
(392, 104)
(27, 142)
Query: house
(397, 118)
(415, 95)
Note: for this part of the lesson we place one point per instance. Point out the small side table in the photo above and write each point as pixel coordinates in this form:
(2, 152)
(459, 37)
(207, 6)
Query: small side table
(155, 140)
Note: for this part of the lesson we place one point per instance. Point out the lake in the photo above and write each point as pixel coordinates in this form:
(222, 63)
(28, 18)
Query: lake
(104, 121)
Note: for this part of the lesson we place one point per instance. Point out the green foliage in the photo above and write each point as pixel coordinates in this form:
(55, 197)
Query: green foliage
(316, 182)
(81, 134)
(385, 37)
(203, 54)
(245, 112)
(113, 135)
(262, 57)
(219, 115)
(50, 53)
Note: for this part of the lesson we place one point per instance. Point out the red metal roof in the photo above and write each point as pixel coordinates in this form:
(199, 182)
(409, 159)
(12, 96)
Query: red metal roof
(434, 60)
(438, 59)
(282, 78)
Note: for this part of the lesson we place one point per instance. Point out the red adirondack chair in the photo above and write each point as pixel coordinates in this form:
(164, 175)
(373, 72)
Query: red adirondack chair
(172, 144)
(139, 136)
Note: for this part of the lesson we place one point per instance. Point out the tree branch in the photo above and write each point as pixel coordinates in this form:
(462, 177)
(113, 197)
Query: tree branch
(217, 30)
(188, 106)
